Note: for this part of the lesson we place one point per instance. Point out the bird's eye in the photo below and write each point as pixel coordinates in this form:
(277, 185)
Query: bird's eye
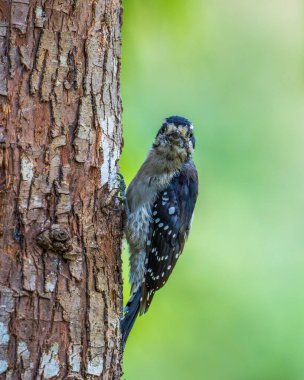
(190, 135)
(163, 129)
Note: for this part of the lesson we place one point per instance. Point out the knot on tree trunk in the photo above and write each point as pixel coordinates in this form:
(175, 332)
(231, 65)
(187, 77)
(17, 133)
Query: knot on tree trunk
(57, 239)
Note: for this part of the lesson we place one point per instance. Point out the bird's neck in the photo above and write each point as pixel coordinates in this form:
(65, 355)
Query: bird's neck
(163, 162)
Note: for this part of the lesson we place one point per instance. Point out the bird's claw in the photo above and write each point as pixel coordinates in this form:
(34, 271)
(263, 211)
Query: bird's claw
(121, 196)
(121, 185)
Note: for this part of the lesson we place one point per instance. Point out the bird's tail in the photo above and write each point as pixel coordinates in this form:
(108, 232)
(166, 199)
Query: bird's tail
(130, 313)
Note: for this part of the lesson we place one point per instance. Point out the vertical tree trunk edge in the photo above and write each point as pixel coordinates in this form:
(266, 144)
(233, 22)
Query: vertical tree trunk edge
(60, 229)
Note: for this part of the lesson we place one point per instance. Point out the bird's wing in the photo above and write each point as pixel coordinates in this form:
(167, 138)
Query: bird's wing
(171, 218)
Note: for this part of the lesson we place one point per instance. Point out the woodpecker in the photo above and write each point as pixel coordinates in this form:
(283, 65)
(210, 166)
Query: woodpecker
(159, 205)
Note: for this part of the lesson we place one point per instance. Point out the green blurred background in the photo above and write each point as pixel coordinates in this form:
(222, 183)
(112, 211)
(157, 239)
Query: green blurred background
(234, 307)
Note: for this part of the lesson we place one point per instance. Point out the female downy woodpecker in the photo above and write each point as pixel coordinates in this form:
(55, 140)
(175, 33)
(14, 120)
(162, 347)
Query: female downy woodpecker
(160, 202)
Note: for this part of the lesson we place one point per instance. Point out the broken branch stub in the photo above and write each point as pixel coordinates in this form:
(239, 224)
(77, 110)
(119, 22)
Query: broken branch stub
(57, 239)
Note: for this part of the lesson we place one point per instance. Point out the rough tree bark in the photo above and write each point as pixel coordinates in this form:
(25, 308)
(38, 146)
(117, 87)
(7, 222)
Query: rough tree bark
(60, 235)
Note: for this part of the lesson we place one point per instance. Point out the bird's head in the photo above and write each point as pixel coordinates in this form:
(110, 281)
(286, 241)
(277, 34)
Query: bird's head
(175, 139)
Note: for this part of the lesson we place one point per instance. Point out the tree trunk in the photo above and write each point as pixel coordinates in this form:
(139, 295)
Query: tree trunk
(60, 232)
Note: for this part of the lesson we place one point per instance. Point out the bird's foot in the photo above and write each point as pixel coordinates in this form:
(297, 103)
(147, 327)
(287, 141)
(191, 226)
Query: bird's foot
(121, 196)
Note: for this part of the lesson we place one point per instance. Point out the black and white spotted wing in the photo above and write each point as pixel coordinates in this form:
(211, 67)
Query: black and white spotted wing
(172, 212)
